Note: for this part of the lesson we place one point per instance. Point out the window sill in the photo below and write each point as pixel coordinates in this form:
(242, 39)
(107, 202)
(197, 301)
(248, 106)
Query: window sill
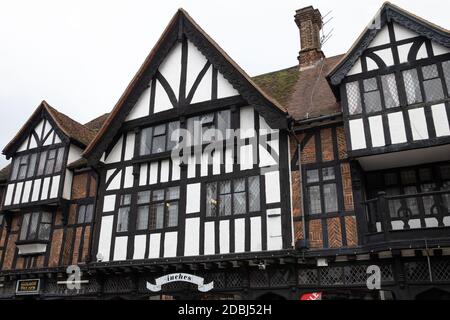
(31, 248)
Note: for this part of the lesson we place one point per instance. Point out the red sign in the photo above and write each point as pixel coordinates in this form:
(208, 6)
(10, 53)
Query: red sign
(312, 296)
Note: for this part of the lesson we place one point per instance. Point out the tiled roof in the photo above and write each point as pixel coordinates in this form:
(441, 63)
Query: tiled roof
(97, 123)
(305, 94)
(4, 173)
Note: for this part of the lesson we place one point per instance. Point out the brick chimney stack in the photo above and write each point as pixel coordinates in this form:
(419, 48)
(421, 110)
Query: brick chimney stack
(309, 22)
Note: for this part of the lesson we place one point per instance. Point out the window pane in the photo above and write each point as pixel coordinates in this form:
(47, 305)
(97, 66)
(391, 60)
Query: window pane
(408, 177)
(50, 162)
(59, 160)
(390, 91)
(173, 139)
(223, 123)
(159, 144)
(225, 205)
(156, 216)
(81, 214)
(146, 141)
(239, 203)
(159, 130)
(372, 101)
(328, 174)
(312, 176)
(122, 219)
(42, 162)
(143, 197)
(425, 174)
(125, 199)
(23, 167)
(158, 195)
(330, 198)
(239, 185)
(253, 194)
(15, 169)
(194, 128)
(430, 72)
(412, 87)
(370, 84)
(315, 206)
(172, 214)
(32, 165)
(446, 67)
(45, 226)
(433, 90)
(445, 172)
(24, 227)
(89, 213)
(225, 187)
(33, 226)
(142, 218)
(173, 193)
(411, 203)
(353, 98)
(211, 199)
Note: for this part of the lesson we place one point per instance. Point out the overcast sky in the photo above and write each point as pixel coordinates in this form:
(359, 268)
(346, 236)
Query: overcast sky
(80, 55)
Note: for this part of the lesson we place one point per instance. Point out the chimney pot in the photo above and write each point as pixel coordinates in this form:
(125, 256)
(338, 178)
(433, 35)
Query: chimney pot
(309, 22)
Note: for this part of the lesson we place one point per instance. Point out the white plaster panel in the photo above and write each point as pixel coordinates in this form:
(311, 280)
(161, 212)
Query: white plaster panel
(402, 33)
(376, 131)
(162, 101)
(104, 242)
(357, 137)
(193, 198)
(140, 244)
(170, 244)
(26, 192)
(440, 120)
(129, 146)
(224, 236)
(154, 245)
(239, 235)
(120, 249)
(246, 157)
(381, 38)
(9, 194)
(272, 185)
(142, 107)
(55, 187)
(274, 236)
(255, 234)
(192, 237)
(210, 240)
(224, 88)
(36, 189)
(128, 178)
(153, 173)
(116, 153)
(45, 186)
(418, 124)
(397, 127)
(143, 175)
(247, 122)
(109, 203)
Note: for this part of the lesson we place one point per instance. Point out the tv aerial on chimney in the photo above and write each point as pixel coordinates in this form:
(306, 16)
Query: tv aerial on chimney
(325, 36)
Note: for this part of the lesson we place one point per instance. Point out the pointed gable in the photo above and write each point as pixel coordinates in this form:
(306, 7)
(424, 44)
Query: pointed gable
(184, 68)
(48, 126)
(393, 37)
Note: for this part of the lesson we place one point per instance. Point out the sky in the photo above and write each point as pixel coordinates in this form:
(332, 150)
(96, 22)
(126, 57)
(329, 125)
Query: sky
(80, 55)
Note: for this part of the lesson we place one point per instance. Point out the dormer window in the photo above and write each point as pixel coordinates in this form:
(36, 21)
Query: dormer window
(36, 226)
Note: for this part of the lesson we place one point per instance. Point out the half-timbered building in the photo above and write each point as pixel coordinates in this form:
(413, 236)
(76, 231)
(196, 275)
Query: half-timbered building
(308, 179)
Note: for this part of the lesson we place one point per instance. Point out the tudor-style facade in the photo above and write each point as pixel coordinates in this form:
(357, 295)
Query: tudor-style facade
(290, 182)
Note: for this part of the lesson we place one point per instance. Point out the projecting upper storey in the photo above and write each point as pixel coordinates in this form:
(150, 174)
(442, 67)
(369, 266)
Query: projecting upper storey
(40, 153)
(394, 85)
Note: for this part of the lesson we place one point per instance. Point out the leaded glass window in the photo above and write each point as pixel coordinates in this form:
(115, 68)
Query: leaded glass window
(432, 83)
(321, 191)
(372, 98)
(36, 226)
(412, 86)
(390, 91)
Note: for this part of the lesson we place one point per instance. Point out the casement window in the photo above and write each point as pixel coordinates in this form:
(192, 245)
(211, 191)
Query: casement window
(158, 209)
(36, 226)
(209, 127)
(372, 98)
(353, 98)
(159, 139)
(36, 164)
(321, 187)
(124, 213)
(233, 197)
(85, 213)
(432, 83)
